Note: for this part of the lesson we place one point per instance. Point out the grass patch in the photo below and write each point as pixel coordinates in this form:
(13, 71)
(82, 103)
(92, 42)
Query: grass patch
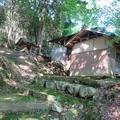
(16, 97)
(25, 116)
(60, 96)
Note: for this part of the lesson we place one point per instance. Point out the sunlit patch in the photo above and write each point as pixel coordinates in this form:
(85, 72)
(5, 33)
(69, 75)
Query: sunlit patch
(22, 57)
(9, 98)
(71, 73)
(85, 46)
(111, 28)
(94, 48)
(95, 56)
(89, 6)
(1, 115)
(25, 67)
(29, 62)
(103, 3)
(75, 50)
(11, 82)
(1, 68)
(40, 74)
(74, 111)
(76, 73)
(103, 53)
(93, 68)
(44, 93)
(31, 119)
(21, 94)
(29, 75)
(51, 98)
(1, 51)
(76, 28)
(8, 53)
(101, 20)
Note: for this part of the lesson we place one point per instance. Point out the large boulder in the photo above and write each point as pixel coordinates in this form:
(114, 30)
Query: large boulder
(70, 89)
(87, 92)
(49, 84)
(58, 85)
(76, 89)
(56, 107)
(64, 86)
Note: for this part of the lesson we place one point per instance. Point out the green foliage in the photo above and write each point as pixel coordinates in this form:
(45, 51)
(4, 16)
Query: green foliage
(60, 17)
(2, 15)
(115, 40)
(3, 38)
(46, 48)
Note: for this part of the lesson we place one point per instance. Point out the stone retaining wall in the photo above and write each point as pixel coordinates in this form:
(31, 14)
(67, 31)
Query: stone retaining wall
(73, 89)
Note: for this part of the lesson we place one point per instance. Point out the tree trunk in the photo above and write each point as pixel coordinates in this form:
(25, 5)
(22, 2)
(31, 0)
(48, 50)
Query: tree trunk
(41, 35)
(11, 42)
(11, 27)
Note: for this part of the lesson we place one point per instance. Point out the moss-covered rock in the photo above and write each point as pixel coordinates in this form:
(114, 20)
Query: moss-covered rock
(87, 92)
(73, 89)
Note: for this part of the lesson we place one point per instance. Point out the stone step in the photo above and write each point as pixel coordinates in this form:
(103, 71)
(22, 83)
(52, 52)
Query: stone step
(69, 88)
(24, 106)
(95, 82)
(84, 88)
(46, 102)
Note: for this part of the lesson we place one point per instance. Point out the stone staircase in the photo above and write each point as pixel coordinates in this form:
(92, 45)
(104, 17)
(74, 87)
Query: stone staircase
(74, 86)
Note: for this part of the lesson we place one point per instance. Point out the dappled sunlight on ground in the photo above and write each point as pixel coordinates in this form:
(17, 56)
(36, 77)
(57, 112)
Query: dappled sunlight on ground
(11, 82)
(16, 97)
(29, 118)
(5, 51)
(25, 68)
(9, 99)
(29, 63)
(1, 51)
(22, 57)
(1, 115)
(21, 67)
(21, 116)
(16, 67)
